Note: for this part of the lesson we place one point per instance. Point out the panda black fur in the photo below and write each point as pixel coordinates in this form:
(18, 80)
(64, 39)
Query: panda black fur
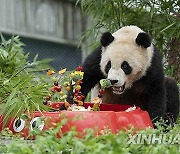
(139, 73)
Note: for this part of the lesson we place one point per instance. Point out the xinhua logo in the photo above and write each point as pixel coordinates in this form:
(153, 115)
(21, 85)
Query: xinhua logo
(153, 139)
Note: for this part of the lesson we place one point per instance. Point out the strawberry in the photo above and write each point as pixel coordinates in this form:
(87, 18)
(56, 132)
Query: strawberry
(79, 68)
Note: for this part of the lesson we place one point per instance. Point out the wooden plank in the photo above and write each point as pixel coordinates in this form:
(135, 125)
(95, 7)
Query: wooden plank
(10, 18)
(77, 22)
(2, 13)
(69, 23)
(19, 15)
(60, 18)
(29, 16)
(65, 21)
(57, 19)
(45, 18)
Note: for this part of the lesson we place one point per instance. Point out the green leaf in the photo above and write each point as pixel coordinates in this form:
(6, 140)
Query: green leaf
(3, 41)
(45, 61)
(167, 27)
(35, 58)
(11, 44)
(13, 93)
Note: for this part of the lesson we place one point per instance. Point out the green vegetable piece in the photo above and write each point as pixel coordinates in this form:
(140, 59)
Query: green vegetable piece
(77, 77)
(105, 83)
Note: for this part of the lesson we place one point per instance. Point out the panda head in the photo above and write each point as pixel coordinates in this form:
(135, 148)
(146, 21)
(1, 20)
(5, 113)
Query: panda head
(126, 56)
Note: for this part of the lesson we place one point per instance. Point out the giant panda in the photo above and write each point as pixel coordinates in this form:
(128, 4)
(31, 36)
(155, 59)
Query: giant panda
(129, 59)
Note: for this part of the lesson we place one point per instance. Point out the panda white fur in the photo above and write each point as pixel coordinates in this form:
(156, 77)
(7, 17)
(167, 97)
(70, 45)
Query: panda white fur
(128, 60)
(131, 62)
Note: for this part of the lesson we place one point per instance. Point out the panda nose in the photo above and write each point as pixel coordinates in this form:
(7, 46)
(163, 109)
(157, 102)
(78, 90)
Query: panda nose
(113, 81)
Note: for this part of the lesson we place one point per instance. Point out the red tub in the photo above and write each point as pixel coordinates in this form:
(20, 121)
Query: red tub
(111, 116)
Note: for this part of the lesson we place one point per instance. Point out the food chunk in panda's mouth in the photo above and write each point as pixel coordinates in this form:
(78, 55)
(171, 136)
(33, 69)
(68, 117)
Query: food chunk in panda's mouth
(118, 89)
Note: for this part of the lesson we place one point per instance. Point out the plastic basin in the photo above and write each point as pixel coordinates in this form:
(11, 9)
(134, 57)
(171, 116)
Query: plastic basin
(111, 116)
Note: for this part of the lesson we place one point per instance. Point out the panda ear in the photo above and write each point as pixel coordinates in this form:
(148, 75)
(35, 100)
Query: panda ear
(144, 40)
(106, 39)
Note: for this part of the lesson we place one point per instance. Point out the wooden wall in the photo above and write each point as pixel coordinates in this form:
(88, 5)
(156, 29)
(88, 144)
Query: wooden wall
(54, 20)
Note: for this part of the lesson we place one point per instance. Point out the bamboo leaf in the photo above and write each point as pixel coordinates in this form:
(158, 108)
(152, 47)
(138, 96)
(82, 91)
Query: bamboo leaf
(46, 61)
(9, 114)
(13, 93)
(167, 27)
(11, 44)
(3, 41)
(35, 58)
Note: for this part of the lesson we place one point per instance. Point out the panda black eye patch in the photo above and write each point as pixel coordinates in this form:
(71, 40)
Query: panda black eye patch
(108, 67)
(126, 68)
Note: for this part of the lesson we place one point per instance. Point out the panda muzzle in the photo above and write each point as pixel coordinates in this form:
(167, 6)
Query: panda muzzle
(118, 89)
